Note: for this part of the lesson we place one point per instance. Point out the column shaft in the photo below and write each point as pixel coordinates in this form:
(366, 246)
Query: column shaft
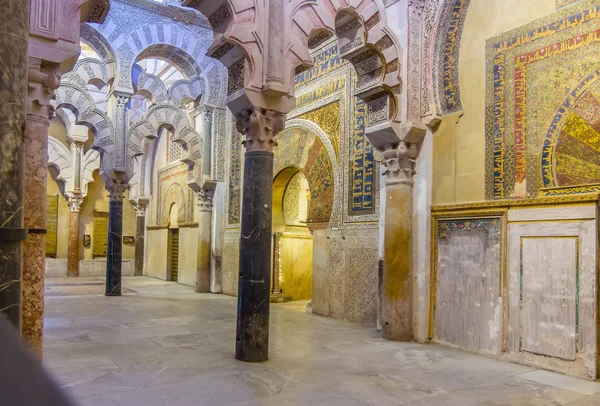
(14, 31)
(73, 244)
(34, 248)
(114, 248)
(252, 337)
(204, 242)
(397, 284)
(140, 229)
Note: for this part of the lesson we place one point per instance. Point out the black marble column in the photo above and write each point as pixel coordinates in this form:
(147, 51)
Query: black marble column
(252, 337)
(14, 31)
(139, 245)
(114, 247)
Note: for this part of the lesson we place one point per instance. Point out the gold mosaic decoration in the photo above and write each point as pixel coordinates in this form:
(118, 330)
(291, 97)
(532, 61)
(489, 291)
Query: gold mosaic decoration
(536, 76)
(328, 118)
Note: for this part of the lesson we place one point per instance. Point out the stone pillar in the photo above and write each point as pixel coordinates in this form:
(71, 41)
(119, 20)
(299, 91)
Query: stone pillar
(42, 83)
(14, 30)
(205, 197)
(114, 248)
(140, 232)
(73, 243)
(260, 126)
(207, 154)
(396, 296)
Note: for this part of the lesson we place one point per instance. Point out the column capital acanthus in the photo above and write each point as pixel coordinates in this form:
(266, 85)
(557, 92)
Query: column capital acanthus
(140, 206)
(74, 201)
(205, 199)
(42, 82)
(116, 189)
(260, 126)
(400, 155)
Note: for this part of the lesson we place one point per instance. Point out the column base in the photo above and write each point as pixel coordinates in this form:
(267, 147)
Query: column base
(279, 298)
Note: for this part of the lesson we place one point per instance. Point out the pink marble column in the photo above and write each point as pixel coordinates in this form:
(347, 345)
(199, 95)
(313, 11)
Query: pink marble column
(73, 243)
(42, 83)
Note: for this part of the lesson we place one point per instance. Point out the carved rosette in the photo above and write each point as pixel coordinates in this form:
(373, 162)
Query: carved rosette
(116, 190)
(399, 163)
(205, 199)
(260, 126)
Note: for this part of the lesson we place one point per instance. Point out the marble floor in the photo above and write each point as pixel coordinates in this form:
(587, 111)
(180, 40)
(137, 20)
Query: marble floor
(162, 344)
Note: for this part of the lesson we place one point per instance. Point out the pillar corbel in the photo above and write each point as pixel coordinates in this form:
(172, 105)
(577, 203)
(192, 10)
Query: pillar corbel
(399, 159)
(205, 206)
(260, 126)
(433, 119)
(43, 80)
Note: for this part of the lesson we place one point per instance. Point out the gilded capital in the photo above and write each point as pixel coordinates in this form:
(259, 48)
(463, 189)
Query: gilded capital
(260, 126)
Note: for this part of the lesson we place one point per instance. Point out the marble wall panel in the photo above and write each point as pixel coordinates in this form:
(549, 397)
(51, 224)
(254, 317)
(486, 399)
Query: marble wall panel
(219, 220)
(296, 266)
(231, 261)
(157, 253)
(188, 245)
(321, 265)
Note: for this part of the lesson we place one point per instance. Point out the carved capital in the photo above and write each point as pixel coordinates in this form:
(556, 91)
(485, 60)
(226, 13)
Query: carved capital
(75, 201)
(208, 116)
(141, 205)
(205, 199)
(399, 163)
(140, 210)
(42, 82)
(121, 101)
(260, 126)
(116, 189)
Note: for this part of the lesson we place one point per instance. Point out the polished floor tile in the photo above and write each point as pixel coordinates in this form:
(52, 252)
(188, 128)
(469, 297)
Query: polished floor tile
(163, 344)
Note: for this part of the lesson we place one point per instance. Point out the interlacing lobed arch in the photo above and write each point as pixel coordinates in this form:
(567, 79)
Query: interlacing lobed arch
(364, 40)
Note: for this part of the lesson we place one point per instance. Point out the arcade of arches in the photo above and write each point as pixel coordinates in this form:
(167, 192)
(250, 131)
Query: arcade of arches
(422, 171)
